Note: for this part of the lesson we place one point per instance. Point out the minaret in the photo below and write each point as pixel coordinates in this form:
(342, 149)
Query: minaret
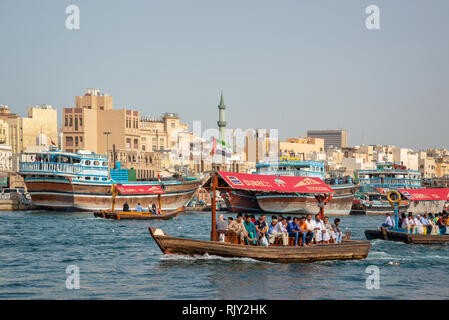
(221, 118)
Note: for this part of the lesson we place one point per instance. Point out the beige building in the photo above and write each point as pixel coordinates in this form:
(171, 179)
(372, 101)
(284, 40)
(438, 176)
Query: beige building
(332, 138)
(426, 165)
(4, 132)
(301, 147)
(25, 132)
(6, 158)
(95, 126)
(442, 169)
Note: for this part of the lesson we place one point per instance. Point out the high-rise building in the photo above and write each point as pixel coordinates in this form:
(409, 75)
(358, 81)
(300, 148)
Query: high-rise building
(332, 138)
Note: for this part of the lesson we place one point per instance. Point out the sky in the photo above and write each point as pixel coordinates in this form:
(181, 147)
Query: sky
(289, 65)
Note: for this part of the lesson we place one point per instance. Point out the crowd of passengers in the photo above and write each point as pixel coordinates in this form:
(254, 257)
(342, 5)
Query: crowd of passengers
(437, 224)
(304, 231)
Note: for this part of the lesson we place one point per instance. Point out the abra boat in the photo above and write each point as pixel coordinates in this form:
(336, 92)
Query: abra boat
(82, 181)
(401, 235)
(347, 250)
(122, 215)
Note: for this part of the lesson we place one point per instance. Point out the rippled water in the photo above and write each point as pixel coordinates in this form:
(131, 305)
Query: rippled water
(119, 260)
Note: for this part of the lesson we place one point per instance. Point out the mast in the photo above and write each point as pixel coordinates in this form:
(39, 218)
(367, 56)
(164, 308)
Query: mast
(213, 233)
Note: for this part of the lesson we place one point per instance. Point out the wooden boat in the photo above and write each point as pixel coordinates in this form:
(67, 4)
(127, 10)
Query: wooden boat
(390, 235)
(120, 215)
(347, 250)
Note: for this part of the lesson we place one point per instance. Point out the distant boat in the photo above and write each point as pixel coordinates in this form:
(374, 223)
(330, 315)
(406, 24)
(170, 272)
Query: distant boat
(82, 181)
(247, 201)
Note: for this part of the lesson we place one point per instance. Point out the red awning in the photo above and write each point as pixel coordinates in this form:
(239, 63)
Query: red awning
(258, 182)
(425, 194)
(152, 189)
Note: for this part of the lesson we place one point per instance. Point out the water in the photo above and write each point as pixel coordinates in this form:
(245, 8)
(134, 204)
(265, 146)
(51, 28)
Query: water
(119, 260)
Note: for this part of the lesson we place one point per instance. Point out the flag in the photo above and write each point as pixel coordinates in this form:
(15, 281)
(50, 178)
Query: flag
(159, 178)
(52, 142)
(214, 147)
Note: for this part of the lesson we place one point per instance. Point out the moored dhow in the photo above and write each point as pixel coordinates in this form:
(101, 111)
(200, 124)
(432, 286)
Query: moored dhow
(295, 203)
(82, 181)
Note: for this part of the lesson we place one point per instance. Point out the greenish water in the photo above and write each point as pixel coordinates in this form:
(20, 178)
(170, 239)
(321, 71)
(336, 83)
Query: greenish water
(119, 260)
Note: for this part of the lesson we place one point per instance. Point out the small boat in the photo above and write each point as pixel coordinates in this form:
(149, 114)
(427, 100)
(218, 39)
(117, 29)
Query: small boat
(401, 235)
(120, 215)
(230, 247)
(393, 235)
(347, 250)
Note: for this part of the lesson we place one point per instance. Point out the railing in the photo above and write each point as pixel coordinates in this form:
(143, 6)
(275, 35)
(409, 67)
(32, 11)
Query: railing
(27, 167)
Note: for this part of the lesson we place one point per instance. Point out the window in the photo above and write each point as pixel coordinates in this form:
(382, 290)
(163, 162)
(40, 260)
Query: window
(96, 163)
(69, 141)
(76, 125)
(81, 122)
(71, 121)
(105, 164)
(143, 147)
(136, 143)
(76, 141)
(128, 143)
(87, 162)
(81, 139)
(66, 121)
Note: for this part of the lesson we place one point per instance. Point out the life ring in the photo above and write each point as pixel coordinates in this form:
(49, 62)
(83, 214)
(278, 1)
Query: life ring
(394, 197)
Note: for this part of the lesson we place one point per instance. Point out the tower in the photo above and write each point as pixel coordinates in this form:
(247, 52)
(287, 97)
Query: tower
(221, 118)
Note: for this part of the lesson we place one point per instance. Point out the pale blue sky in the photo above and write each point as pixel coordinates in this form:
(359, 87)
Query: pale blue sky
(291, 65)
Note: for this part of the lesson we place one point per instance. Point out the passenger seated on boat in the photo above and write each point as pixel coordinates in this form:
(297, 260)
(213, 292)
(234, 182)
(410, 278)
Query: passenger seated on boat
(418, 225)
(281, 231)
(153, 208)
(139, 208)
(126, 207)
(409, 224)
(250, 229)
(238, 227)
(230, 219)
(310, 226)
(338, 235)
(401, 220)
(274, 232)
(253, 218)
(293, 230)
(442, 224)
(427, 227)
(329, 231)
(222, 224)
(321, 234)
(389, 222)
(307, 235)
(261, 228)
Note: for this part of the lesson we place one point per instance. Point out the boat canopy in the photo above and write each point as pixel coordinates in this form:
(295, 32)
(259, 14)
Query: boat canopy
(135, 189)
(425, 194)
(271, 183)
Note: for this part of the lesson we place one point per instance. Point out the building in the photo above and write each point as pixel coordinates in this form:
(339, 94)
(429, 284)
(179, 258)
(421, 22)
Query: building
(426, 165)
(332, 138)
(4, 132)
(6, 158)
(301, 147)
(95, 126)
(24, 132)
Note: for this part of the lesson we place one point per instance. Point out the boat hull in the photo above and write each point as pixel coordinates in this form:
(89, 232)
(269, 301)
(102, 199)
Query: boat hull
(63, 194)
(340, 204)
(406, 237)
(374, 208)
(121, 215)
(241, 201)
(347, 250)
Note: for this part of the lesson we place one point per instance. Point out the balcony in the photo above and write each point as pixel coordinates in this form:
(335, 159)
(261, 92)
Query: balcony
(49, 167)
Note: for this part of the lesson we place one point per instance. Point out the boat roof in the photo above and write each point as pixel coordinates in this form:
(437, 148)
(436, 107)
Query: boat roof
(272, 183)
(425, 194)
